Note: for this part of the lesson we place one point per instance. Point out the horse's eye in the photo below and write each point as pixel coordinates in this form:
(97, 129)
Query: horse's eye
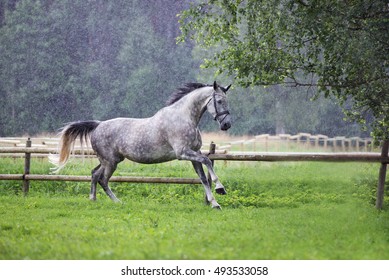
(219, 101)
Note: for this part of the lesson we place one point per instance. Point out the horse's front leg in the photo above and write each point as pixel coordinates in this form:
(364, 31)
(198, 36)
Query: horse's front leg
(196, 156)
(209, 198)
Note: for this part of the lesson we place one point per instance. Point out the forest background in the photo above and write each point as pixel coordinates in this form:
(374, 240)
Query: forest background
(63, 61)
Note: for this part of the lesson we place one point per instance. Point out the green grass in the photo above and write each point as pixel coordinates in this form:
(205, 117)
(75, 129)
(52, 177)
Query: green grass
(271, 211)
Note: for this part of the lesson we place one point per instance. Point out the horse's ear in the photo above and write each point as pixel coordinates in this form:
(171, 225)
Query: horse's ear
(227, 88)
(215, 86)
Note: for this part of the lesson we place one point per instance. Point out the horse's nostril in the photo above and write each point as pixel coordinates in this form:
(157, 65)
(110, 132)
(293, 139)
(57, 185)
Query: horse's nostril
(226, 126)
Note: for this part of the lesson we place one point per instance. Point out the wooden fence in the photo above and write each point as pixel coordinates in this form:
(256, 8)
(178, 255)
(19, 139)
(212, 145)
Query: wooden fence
(28, 150)
(263, 143)
(305, 141)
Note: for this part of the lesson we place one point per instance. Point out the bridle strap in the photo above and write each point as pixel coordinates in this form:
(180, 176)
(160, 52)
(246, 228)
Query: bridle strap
(218, 114)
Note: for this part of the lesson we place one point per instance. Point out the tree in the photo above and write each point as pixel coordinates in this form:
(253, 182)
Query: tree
(71, 60)
(29, 69)
(342, 47)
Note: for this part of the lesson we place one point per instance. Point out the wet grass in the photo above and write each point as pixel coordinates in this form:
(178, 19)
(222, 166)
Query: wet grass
(272, 211)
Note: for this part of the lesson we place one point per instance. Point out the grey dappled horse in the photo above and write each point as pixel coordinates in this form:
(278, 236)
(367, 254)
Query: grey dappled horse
(172, 133)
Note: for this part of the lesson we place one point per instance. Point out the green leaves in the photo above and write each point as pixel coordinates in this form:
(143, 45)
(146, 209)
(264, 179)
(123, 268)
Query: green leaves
(343, 44)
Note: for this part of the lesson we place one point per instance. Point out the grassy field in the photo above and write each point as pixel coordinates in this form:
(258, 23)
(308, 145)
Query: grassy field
(271, 211)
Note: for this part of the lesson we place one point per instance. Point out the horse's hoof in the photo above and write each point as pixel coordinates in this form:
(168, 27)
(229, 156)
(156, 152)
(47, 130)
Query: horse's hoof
(114, 199)
(217, 207)
(221, 191)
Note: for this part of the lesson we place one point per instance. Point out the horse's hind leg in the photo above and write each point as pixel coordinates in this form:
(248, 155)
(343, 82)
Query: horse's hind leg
(96, 174)
(209, 198)
(103, 181)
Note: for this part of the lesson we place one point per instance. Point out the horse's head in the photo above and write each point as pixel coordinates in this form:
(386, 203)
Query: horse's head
(218, 106)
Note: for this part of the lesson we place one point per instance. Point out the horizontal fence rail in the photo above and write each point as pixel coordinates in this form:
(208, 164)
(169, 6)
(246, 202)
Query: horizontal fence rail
(213, 154)
(46, 151)
(329, 157)
(127, 179)
(262, 142)
(236, 156)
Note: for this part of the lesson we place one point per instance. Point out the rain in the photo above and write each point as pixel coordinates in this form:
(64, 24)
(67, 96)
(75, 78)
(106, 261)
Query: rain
(64, 61)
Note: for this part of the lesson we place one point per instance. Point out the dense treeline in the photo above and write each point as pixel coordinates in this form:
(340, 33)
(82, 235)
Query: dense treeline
(74, 60)
(69, 60)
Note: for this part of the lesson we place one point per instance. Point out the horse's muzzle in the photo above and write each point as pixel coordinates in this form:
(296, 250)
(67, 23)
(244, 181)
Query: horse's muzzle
(225, 124)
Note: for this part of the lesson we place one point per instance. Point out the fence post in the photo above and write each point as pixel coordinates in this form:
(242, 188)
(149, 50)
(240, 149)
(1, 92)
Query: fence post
(27, 163)
(382, 176)
(212, 149)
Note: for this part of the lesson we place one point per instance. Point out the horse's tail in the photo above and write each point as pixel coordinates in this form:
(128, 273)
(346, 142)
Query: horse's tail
(69, 134)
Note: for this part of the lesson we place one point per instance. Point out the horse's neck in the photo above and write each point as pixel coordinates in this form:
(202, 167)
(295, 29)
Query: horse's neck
(194, 104)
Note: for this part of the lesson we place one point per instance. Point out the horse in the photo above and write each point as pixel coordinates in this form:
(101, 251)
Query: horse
(172, 133)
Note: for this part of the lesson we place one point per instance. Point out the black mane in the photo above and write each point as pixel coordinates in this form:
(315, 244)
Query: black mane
(182, 91)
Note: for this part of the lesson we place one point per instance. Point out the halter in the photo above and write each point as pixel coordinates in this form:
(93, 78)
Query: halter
(218, 114)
